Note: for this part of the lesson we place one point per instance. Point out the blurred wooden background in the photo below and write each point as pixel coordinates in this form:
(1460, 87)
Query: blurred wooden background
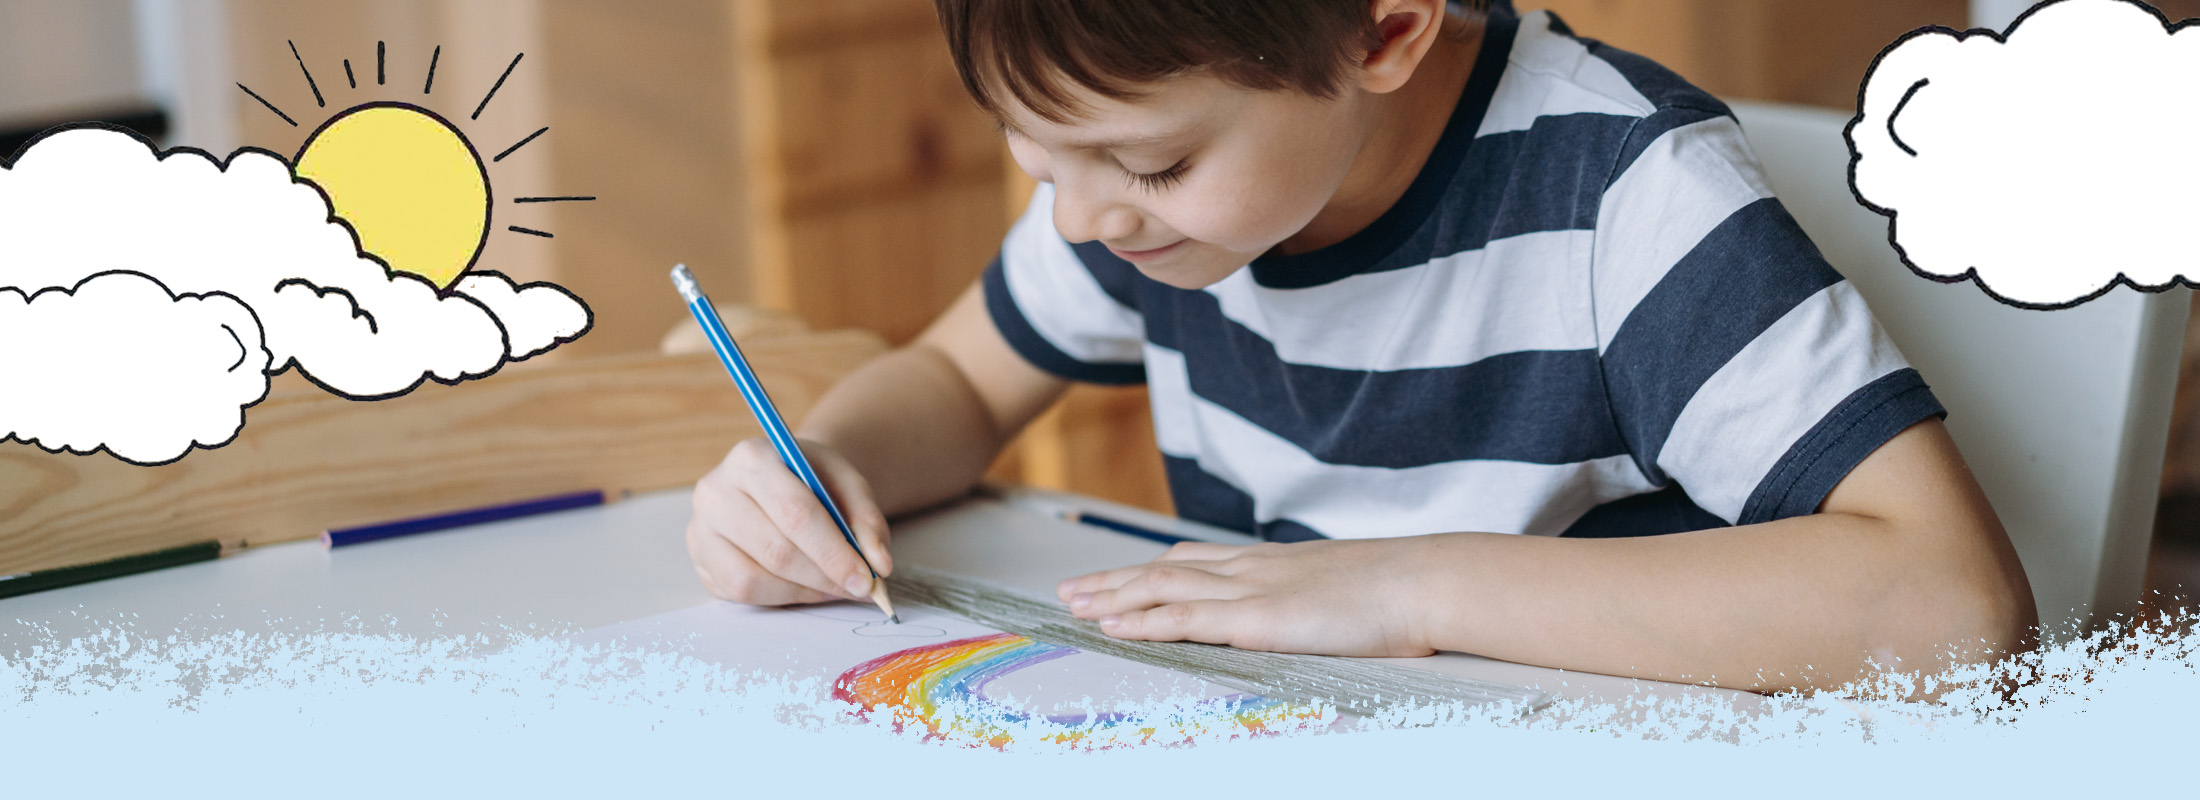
(818, 157)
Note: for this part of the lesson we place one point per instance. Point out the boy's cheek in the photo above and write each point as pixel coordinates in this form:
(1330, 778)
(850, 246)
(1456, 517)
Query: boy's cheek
(1031, 158)
(1250, 222)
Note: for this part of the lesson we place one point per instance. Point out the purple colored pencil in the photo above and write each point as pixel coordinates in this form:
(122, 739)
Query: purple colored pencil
(340, 537)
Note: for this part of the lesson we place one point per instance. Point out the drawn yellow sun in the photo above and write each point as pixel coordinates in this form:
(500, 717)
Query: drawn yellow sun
(408, 182)
(411, 186)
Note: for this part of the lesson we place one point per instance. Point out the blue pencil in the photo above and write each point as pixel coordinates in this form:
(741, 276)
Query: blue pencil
(767, 415)
(1125, 528)
(342, 537)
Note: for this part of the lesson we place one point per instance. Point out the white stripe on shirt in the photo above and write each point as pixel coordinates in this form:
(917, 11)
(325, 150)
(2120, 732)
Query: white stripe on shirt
(1554, 74)
(1519, 293)
(1059, 296)
(1687, 183)
(1753, 409)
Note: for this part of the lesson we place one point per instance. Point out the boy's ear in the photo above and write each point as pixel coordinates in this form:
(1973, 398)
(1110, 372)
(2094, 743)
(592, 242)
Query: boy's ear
(1407, 29)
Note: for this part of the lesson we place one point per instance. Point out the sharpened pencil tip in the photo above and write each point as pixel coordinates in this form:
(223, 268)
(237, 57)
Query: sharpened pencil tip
(878, 596)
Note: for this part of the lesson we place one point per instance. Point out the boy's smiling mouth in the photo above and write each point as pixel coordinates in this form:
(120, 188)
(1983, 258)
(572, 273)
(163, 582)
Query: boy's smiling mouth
(1138, 256)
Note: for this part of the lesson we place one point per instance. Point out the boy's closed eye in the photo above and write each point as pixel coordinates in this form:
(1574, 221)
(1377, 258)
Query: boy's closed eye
(1159, 181)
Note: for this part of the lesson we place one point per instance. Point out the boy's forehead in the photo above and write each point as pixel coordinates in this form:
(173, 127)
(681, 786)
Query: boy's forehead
(1158, 113)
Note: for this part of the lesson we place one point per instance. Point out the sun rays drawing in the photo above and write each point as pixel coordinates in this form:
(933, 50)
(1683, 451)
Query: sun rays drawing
(162, 288)
(405, 177)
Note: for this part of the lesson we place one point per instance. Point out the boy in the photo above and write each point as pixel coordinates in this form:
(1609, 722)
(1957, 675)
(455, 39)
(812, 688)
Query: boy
(1407, 282)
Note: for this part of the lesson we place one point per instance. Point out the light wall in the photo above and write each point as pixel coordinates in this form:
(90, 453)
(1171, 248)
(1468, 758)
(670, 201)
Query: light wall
(61, 57)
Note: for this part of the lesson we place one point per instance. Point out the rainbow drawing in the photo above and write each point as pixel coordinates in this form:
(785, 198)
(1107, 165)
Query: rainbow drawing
(942, 686)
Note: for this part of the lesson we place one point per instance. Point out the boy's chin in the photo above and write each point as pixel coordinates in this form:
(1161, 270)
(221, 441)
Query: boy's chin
(1188, 281)
(1190, 274)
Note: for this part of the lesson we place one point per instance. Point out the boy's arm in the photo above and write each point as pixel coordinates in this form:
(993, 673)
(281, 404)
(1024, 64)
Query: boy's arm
(918, 426)
(1904, 565)
(924, 422)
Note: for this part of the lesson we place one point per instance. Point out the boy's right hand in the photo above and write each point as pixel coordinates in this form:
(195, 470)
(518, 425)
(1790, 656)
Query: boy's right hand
(759, 536)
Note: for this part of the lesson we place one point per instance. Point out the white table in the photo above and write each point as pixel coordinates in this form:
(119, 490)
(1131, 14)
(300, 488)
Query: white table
(592, 567)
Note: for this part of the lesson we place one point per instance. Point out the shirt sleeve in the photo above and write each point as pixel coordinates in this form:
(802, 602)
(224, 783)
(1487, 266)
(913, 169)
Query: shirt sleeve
(1738, 363)
(1076, 321)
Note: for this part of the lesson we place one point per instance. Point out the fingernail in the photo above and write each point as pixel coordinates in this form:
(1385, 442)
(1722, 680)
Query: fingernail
(1110, 621)
(859, 586)
(1079, 602)
(1061, 588)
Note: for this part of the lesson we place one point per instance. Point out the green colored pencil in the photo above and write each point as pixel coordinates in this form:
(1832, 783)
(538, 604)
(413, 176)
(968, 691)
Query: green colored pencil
(42, 580)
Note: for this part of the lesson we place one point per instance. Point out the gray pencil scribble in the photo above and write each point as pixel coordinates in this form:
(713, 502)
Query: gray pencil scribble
(867, 623)
(890, 630)
(1354, 685)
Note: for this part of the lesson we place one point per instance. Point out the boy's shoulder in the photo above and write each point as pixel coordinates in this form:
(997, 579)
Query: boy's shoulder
(1552, 69)
(1567, 109)
(1558, 132)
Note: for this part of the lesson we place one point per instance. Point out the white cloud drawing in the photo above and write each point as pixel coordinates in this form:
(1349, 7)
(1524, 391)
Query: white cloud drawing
(536, 317)
(118, 361)
(89, 200)
(2048, 164)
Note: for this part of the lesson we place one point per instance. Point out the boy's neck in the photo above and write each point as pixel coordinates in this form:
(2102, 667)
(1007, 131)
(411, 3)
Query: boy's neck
(1406, 126)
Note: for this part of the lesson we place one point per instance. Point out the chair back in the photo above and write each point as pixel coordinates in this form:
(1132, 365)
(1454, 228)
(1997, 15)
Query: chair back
(2063, 415)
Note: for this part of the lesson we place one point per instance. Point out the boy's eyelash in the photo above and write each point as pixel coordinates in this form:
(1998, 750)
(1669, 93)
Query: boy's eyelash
(1157, 181)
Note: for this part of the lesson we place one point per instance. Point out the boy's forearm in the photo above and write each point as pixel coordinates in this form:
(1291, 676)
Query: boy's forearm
(911, 424)
(1797, 603)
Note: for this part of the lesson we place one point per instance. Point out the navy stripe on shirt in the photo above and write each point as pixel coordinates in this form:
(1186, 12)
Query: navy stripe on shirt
(1842, 439)
(1744, 276)
(1566, 159)
(1202, 497)
(1540, 406)
(1287, 530)
(1116, 277)
(1667, 510)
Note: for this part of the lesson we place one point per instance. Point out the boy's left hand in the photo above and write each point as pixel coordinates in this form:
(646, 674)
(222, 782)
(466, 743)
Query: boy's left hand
(1348, 598)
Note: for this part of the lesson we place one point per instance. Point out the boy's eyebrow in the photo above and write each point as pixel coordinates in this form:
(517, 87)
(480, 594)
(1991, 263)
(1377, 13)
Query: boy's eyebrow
(1117, 143)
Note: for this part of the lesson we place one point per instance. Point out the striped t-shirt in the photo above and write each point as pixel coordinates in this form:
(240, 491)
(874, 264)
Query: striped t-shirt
(1587, 316)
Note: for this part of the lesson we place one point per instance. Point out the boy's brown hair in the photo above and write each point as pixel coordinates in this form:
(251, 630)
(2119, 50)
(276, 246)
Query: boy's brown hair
(1030, 47)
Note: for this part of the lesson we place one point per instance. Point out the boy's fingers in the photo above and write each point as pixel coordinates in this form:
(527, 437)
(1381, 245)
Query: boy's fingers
(808, 528)
(853, 493)
(732, 575)
(1115, 578)
(771, 545)
(1210, 621)
(1095, 582)
(1156, 585)
(1199, 551)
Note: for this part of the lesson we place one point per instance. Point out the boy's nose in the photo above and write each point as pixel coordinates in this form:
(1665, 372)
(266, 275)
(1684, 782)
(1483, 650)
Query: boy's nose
(1079, 216)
